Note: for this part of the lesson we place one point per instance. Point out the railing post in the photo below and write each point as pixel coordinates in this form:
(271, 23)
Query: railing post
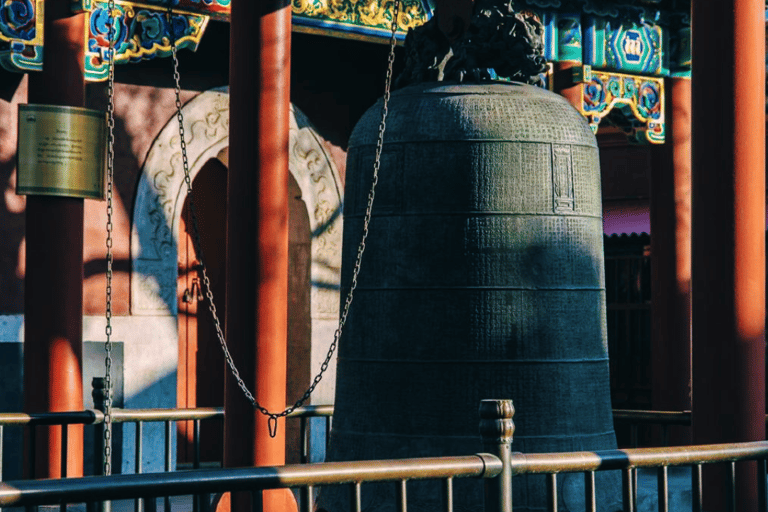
(497, 429)
(99, 396)
(98, 429)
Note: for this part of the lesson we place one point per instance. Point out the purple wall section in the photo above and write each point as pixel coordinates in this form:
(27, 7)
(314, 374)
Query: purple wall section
(626, 218)
(630, 217)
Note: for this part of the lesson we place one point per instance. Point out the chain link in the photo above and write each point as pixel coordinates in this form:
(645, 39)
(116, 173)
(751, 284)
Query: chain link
(196, 239)
(110, 192)
(202, 270)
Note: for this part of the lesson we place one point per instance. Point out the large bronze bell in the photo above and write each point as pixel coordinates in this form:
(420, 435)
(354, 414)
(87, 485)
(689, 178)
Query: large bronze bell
(483, 277)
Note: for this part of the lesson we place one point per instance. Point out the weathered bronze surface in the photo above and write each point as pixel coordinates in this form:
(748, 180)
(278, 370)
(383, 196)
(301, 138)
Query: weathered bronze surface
(482, 278)
(61, 151)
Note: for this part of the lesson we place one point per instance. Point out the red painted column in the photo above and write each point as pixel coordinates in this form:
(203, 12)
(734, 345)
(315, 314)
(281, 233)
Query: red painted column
(53, 284)
(257, 235)
(671, 258)
(729, 229)
(564, 85)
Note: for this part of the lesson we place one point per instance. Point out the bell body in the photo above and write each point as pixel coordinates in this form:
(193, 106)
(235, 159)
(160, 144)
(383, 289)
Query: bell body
(482, 277)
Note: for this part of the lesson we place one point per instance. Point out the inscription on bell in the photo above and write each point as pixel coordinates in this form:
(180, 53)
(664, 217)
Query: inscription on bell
(562, 177)
(61, 151)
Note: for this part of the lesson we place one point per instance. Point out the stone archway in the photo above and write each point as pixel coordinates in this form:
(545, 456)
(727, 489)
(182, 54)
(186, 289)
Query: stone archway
(160, 198)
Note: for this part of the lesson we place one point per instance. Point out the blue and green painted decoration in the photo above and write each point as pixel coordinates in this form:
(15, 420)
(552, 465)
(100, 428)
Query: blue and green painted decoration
(640, 99)
(607, 41)
(563, 39)
(369, 19)
(617, 39)
(626, 47)
(21, 35)
(215, 9)
(141, 32)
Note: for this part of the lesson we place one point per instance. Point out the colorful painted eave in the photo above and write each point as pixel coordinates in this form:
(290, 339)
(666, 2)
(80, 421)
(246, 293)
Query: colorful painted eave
(21, 35)
(632, 102)
(214, 9)
(636, 40)
(355, 19)
(632, 44)
(628, 41)
(144, 30)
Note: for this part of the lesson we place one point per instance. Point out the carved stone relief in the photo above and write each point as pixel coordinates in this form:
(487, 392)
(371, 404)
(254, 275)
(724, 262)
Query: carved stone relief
(161, 194)
(154, 237)
(322, 191)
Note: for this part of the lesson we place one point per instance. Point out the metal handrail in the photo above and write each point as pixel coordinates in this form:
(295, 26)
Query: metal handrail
(141, 416)
(498, 468)
(572, 462)
(682, 418)
(90, 489)
(654, 417)
(95, 417)
(51, 418)
(312, 411)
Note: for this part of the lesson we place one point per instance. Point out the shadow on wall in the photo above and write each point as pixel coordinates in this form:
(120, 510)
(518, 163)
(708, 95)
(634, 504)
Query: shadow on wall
(12, 225)
(153, 434)
(11, 212)
(11, 400)
(12, 229)
(124, 460)
(95, 265)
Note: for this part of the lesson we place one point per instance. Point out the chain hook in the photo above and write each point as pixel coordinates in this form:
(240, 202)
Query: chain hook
(272, 425)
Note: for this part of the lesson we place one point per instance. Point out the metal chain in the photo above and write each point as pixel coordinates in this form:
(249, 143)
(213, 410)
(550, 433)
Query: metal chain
(202, 271)
(110, 192)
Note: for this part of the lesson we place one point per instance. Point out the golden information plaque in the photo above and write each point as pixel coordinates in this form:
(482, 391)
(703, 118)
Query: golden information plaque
(62, 151)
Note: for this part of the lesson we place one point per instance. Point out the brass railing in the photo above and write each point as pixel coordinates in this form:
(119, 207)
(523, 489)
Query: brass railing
(629, 460)
(255, 480)
(497, 468)
(635, 419)
(150, 486)
(662, 419)
(139, 417)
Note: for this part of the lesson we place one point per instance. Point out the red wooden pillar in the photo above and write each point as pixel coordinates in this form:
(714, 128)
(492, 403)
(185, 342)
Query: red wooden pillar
(671, 257)
(257, 234)
(564, 85)
(729, 229)
(53, 284)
